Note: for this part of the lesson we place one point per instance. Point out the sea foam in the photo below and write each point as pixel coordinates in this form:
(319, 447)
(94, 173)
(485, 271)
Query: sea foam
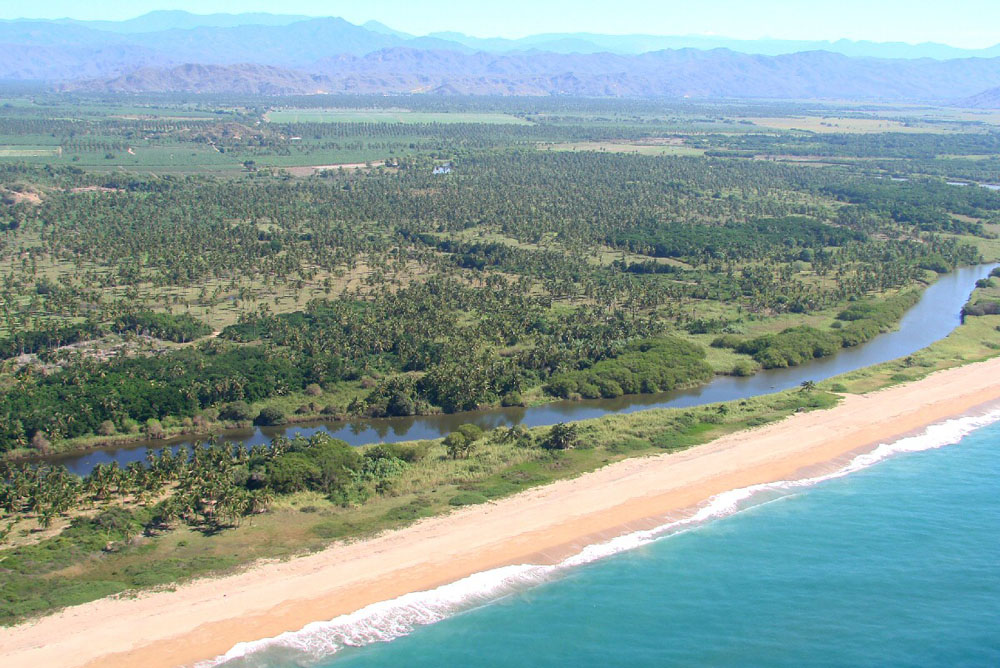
(388, 620)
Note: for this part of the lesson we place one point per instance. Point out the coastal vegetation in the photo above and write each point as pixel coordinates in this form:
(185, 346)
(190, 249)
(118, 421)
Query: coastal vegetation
(217, 507)
(169, 268)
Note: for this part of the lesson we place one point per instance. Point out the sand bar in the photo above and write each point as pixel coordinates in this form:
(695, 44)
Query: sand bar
(205, 618)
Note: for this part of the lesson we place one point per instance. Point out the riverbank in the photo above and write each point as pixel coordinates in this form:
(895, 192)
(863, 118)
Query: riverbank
(935, 317)
(543, 525)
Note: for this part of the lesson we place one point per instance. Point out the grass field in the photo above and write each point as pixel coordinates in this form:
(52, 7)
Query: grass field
(28, 152)
(386, 116)
(840, 125)
(657, 148)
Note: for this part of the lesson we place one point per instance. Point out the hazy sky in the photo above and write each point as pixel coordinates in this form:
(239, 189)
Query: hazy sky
(965, 23)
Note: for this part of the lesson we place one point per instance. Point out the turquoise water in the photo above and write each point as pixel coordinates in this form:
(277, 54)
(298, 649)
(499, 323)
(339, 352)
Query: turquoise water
(896, 564)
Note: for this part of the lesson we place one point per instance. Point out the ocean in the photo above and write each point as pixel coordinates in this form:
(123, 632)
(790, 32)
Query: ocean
(892, 561)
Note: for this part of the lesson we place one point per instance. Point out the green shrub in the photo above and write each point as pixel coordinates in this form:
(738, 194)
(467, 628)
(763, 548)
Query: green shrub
(270, 416)
(329, 529)
(408, 512)
(237, 411)
(628, 445)
(471, 432)
(727, 341)
(410, 453)
(981, 308)
(467, 499)
(562, 436)
(649, 365)
(457, 445)
(687, 435)
(499, 489)
(177, 328)
(321, 464)
(292, 472)
(935, 263)
(791, 347)
(512, 399)
(154, 429)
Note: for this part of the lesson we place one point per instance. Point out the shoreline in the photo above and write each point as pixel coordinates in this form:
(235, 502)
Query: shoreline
(544, 525)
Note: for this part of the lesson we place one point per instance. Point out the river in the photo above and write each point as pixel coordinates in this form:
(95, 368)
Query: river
(936, 315)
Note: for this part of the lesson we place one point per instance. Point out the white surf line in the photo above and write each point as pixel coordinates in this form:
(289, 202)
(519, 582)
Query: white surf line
(398, 617)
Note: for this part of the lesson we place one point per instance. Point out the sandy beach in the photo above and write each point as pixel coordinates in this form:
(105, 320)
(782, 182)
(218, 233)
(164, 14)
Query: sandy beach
(205, 618)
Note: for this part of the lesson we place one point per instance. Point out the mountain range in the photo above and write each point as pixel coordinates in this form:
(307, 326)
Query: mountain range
(276, 54)
(988, 99)
(168, 20)
(684, 73)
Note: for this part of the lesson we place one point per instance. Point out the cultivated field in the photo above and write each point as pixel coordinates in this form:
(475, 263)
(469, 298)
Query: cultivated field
(387, 116)
(838, 125)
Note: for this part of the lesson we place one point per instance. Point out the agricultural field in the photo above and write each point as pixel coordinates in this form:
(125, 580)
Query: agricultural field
(29, 152)
(672, 147)
(841, 125)
(387, 116)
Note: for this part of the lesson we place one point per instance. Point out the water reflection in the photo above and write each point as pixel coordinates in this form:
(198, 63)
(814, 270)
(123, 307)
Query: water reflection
(933, 318)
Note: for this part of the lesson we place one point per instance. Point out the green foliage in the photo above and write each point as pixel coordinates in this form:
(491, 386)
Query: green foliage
(269, 416)
(457, 445)
(411, 453)
(682, 436)
(628, 445)
(512, 399)
(727, 341)
(796, 345)
(733, 240)
(237, 411)
(471, 432)
(791, 347)
(178, 328)
(562, 436)
(293, 472)
(35, 341)
(467, 499)
(409, 512)
(75, 401)
(648, 366)
(981, 307)
(320, 464)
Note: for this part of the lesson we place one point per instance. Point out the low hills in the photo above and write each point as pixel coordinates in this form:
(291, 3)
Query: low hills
(684, 73)
(273, 54)
(988, 99)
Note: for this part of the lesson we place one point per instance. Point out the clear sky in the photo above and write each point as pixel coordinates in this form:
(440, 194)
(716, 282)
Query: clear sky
(964, 23)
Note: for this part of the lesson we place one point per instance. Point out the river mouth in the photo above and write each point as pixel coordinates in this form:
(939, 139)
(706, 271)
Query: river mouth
(934, 317)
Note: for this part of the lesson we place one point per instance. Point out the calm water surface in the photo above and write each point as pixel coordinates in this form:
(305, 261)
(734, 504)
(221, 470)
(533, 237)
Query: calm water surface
(933, 318)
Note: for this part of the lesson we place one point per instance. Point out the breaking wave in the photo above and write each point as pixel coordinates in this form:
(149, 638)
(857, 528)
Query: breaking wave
(388, 620)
